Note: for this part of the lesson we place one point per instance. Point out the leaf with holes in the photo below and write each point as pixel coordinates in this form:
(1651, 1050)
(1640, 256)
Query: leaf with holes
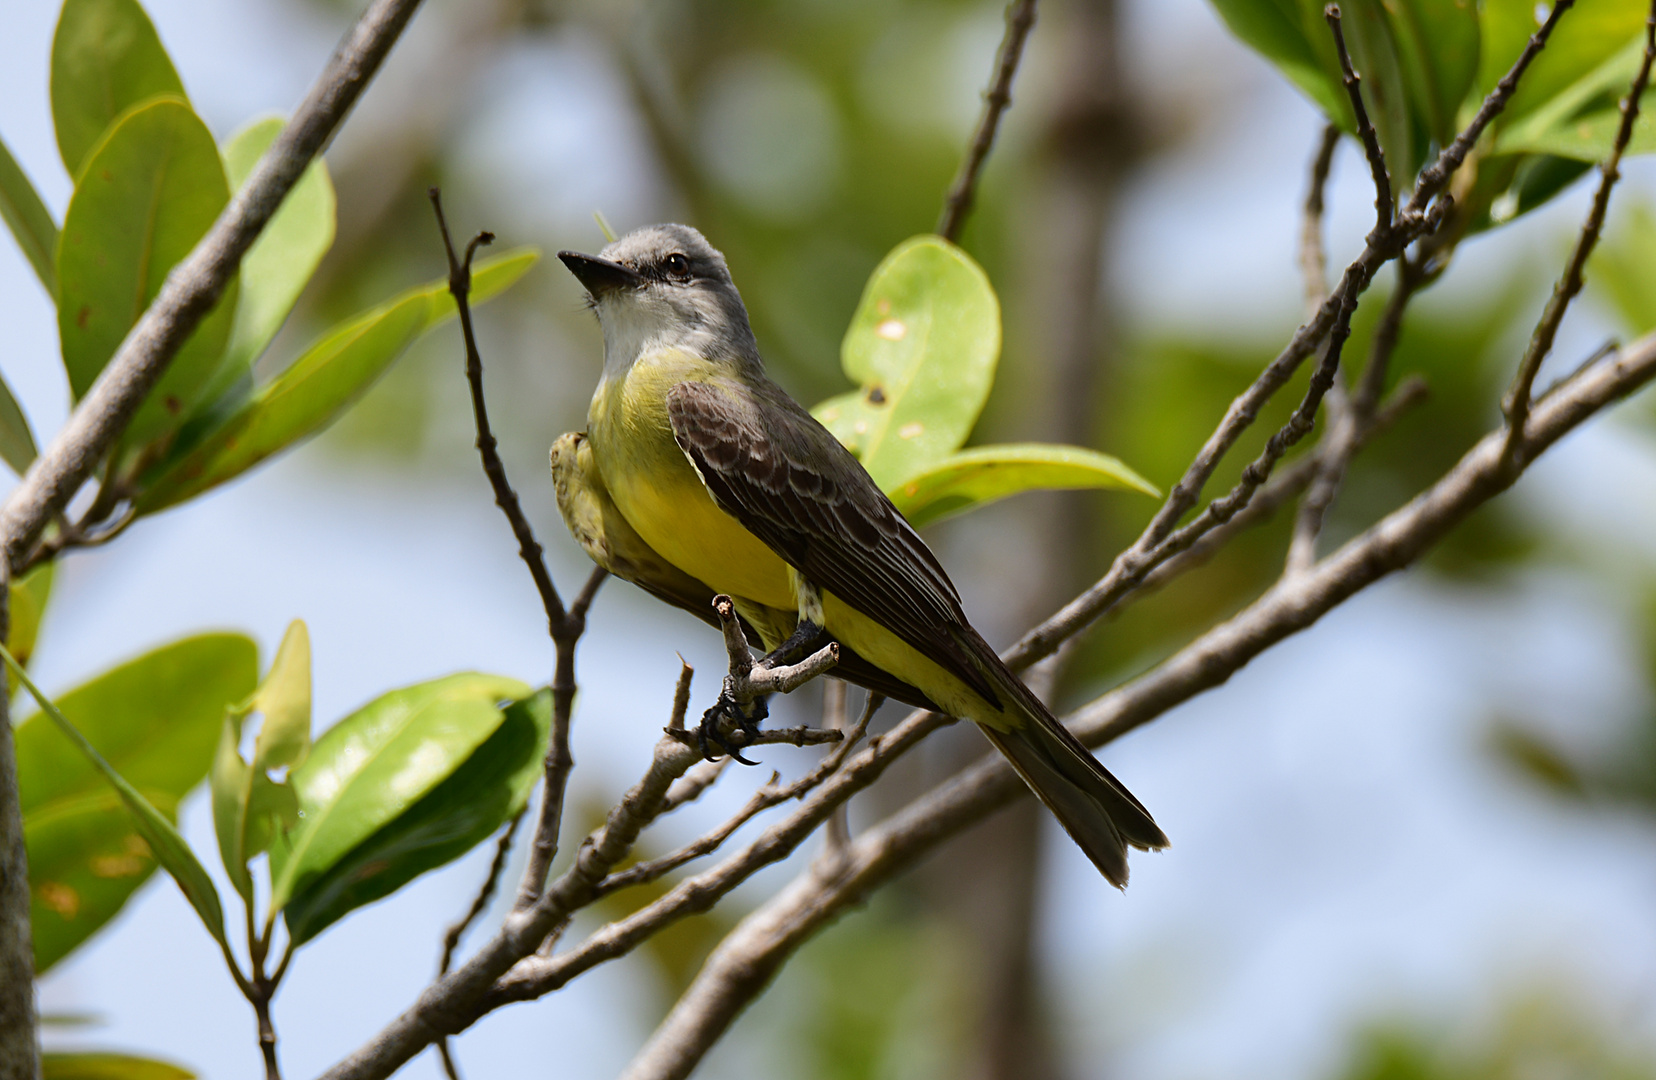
(922, 346)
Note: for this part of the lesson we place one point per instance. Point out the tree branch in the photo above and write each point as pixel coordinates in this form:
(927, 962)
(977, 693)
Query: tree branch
(195, 285)
(1365, 127)
(745, 961)
(191, 290)
(1517, 403)
(1020, 17)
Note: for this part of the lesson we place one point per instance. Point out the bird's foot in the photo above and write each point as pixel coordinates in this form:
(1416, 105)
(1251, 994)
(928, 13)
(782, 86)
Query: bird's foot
(744, 721)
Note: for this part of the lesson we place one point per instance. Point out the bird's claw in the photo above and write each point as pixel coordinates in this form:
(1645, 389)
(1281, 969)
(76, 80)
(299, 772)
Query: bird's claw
(746, 721)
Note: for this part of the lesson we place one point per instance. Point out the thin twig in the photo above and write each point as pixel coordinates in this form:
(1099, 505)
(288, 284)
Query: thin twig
(457, 930)
(1020, 17)
(769, 795)
(1383, 205)
(746, 960)
(1517, 402)
(1432, 178)
(1313, 255)
(529, 549)
(1348, 423)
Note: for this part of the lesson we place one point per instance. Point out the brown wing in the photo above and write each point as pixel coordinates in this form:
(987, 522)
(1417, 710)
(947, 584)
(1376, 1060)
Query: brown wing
(611, 542)
(771, 466)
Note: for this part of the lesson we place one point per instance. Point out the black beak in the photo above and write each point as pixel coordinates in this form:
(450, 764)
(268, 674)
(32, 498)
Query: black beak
(600, 276)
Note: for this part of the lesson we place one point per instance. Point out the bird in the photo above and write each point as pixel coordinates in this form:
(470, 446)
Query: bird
(698, 476)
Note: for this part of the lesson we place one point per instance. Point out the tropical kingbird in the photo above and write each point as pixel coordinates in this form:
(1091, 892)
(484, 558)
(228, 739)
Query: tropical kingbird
(699, 475)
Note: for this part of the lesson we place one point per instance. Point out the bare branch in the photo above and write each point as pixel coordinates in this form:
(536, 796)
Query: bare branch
(749, 956)
(1365, 127)
(1517, 402)
(1020, 17)
(1313, 256)
(503, 848)
(769, 795)
(1433, 178)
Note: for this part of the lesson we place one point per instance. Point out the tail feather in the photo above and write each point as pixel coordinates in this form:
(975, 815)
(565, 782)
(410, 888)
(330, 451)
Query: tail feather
(1098, 812)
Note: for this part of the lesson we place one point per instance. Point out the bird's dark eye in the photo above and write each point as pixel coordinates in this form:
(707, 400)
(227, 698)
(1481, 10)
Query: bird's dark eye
(677, 265)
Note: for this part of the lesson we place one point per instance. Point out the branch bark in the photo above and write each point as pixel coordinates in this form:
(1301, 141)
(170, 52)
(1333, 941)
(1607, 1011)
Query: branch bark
(750, 956)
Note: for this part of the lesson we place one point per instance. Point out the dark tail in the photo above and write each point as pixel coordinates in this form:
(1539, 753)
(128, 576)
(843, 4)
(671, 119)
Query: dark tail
(1098, 812)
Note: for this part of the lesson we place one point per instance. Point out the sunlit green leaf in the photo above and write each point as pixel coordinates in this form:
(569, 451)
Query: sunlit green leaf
(490, 788)
(281, 261)
(28, 219)
(152, 188)
(89, 1066)
(106, 58)
(981, 475)
(318, 386)
(28, 606)
(1590, 33)
(157, 831)
(248, 805)
(155, 720)
(922, 346)
(1581, 120)
(374, 765)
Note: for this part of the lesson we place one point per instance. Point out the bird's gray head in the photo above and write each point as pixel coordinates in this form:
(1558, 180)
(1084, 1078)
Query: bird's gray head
(663, 286)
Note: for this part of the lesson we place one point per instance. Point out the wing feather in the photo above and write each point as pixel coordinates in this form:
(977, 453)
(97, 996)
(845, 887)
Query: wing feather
(770, 465)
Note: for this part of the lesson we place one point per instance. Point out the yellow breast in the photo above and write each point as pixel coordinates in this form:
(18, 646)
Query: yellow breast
(659, 493)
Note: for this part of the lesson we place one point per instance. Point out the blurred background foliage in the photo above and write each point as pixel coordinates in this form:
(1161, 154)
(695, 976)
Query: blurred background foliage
(807, 138)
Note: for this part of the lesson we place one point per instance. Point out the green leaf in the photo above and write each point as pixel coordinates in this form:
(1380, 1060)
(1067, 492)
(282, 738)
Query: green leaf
(922, 346)
(1386, 97)
(28, 219)
(1591, 33)
(276, 269)
(17, 445)
(155, 719)
(150, 191)
(973, 478)
(318, 386)
(375, 764)
(86, 859)
(1581, 120)
(28, 606)
(56, 1066)
(1437, 48)
(158, 832)
(248, 805)
(1291, 34)
(458, 814)
(106, 58)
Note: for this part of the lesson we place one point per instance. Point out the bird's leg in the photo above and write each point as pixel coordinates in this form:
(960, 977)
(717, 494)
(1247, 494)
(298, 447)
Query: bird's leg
(806, 638)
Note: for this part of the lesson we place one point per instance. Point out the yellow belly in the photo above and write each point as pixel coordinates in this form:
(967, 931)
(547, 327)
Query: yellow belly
(659, 493)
